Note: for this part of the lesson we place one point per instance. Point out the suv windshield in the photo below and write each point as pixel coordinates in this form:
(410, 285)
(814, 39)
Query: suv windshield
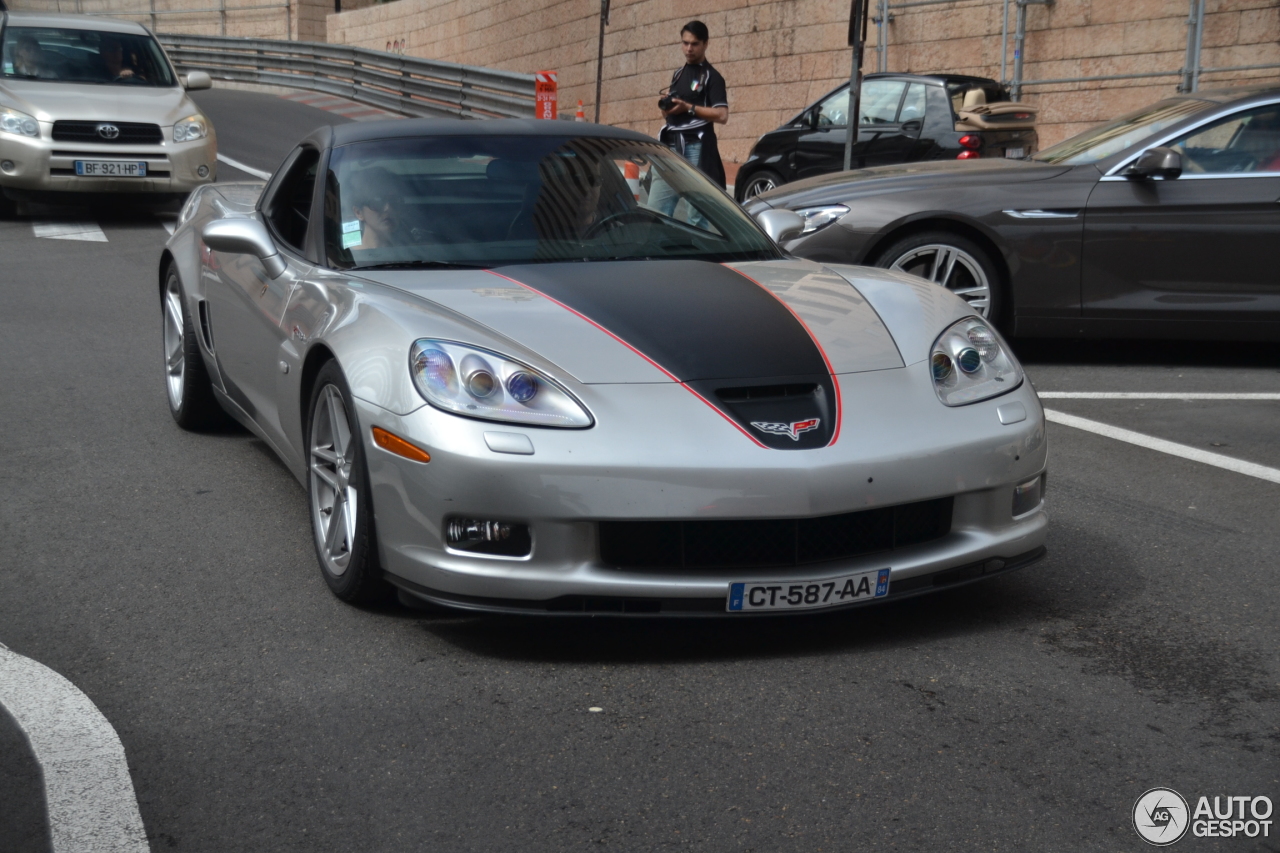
(1112, 138)
(488, 200)
(63, 55)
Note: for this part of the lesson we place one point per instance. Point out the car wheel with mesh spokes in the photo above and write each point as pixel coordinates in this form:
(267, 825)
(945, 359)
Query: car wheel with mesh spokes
(951, 261)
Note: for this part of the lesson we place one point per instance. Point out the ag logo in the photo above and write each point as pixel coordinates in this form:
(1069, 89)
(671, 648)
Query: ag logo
(793, 429)
(1161, 816)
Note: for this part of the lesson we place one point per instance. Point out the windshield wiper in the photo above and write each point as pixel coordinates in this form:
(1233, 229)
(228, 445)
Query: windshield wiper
(420, 265)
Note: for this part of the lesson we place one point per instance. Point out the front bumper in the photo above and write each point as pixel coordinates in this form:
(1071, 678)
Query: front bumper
(900, 447)
(43, 166)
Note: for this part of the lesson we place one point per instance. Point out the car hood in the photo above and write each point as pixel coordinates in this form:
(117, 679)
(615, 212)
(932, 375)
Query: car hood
(838, 186)
(693, 321)
(49, 102)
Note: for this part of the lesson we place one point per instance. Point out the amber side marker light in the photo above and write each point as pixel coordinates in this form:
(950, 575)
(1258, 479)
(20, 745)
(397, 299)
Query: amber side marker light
(395, 444)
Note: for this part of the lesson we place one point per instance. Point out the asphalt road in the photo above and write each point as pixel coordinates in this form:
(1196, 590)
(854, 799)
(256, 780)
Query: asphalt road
(171, 577)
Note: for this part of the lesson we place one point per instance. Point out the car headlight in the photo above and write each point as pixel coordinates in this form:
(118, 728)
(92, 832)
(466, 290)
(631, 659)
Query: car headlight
(190, 128)
(12, 121)
(477, 383)
(971, 363)
(820, 217)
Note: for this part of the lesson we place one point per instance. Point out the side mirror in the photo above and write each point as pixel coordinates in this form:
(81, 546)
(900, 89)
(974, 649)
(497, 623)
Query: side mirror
(244, 237)
(780, 224)
(1164, 162)
(193, 80)
(811, 118)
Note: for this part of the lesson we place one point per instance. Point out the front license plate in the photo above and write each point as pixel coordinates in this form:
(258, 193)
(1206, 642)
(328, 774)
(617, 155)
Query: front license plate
(1015, 153)
(807, 595)
(111, 168)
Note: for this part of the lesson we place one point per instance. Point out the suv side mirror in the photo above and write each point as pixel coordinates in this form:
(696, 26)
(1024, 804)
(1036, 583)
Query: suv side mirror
(780, 224)
(810, 119)
(245, 237)
(1162, 161)
(194, 80)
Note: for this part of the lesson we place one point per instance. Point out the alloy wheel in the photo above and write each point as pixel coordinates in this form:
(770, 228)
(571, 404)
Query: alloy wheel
(174, 343)
(759, 185)
(952, 268)
(333, 496)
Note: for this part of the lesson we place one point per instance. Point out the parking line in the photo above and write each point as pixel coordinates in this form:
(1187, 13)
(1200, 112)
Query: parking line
(88, 231)
(248, 170)
(1146, 395)
(1150, 442)
(88, 793)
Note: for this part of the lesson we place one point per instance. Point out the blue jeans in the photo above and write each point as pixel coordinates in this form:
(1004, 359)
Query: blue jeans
(664, 199)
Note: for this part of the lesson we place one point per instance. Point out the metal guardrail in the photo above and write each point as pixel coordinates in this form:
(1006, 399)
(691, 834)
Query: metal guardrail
(403, 84)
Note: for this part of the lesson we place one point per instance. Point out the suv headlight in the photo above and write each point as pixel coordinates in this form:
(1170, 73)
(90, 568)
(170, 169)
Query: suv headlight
(477, 383)
(190, 128)
(12, 121)
(816, 218)
(971, 363)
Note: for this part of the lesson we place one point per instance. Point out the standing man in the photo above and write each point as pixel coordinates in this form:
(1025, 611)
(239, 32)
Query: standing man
(695, 104)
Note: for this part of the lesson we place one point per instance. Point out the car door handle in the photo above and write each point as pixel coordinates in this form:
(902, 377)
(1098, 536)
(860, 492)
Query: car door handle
(1042, 214)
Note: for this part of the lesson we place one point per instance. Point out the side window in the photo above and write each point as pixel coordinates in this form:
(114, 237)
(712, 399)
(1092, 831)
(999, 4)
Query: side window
(1247, 141)
(834, 111)
(289, 209)
(880, 99)
(913, 105)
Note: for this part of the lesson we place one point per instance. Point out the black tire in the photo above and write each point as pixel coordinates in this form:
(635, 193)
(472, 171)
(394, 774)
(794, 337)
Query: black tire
(337, 483)
(759, 182)
(974, 277)
(187, 385)
(8, 207)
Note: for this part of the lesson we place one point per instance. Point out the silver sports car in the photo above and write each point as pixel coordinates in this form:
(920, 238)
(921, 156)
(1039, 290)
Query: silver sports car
(550, 368)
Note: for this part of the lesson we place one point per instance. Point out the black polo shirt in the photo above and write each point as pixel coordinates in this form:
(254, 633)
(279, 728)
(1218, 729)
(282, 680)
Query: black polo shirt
(702, 86)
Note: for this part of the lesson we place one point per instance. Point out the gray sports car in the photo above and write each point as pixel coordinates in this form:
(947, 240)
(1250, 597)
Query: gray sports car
(1161, 224)
(535, 367)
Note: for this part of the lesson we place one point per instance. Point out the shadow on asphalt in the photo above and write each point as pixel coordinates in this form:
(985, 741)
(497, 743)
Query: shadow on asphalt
(1020, 602)
(1136, 353)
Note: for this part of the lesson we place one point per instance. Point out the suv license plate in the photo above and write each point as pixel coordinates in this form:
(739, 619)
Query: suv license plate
(1015, 153)
(111, 168)
(807, 595)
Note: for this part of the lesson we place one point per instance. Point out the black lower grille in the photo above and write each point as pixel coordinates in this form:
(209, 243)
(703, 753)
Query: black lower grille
(127, 132)
(762, 543)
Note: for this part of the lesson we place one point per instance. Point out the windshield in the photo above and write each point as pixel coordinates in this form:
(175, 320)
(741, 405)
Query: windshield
(489, 200)
(1112, 138)
(83, 56)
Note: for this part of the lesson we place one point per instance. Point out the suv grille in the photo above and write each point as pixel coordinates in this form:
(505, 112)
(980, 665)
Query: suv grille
(131, 133)
(759, 543)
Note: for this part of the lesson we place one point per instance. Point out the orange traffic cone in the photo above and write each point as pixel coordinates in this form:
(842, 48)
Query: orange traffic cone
(631, 171)
(579, 115)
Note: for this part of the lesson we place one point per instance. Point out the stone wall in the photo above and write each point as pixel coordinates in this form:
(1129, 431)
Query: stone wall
(778, 55)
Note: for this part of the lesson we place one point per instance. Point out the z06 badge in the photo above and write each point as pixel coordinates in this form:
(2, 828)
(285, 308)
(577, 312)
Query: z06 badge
(793, 429)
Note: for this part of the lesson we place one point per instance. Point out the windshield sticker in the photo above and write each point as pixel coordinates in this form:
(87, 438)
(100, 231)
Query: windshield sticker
(351, 240)
(353, 225)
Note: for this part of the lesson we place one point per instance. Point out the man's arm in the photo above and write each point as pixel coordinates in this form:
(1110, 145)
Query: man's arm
(716, 115)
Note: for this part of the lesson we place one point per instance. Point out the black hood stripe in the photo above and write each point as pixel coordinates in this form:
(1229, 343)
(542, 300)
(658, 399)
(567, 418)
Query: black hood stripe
(835, 384)
(707, 326)
(665, 372)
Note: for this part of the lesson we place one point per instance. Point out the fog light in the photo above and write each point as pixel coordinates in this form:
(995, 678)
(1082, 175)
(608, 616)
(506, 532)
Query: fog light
(7, 166)
(203, 171)
(484, 536)
(1027, 496)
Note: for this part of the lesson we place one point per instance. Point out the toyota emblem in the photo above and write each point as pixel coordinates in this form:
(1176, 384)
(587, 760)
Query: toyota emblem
(108, 131)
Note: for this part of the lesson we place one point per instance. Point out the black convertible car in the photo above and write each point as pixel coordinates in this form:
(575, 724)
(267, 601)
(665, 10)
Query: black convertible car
(1164, 223)
(905, 118)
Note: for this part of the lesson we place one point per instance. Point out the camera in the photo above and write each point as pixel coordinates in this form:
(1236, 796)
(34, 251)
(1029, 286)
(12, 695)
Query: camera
(666, 102)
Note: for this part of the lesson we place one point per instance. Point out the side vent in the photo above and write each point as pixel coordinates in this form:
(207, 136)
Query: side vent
(205, 330)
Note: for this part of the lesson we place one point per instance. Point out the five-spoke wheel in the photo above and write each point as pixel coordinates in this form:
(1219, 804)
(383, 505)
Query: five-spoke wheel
(190, 392)
(760, 182)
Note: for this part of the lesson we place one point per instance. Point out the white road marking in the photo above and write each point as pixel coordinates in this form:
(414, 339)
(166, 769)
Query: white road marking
(88, 231)
(88, 793)
(1145, 395)
(1150, 442)
(248, 170)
